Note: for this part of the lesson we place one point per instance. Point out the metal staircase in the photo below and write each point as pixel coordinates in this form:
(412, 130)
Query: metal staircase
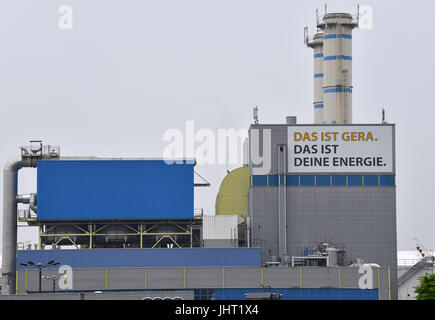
(424, 262)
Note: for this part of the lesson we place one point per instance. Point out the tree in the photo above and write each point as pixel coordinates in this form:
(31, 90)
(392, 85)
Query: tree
(426, 288)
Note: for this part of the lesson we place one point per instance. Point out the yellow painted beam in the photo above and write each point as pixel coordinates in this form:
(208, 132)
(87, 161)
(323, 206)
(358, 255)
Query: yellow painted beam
(141, 235)
(300, 277)
(106, 278)
(339, 277)
(16, 282)
(389, 284)
(146, 273)
(379, 284)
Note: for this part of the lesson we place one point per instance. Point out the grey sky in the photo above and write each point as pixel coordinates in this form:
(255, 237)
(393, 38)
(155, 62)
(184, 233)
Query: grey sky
(129, 70)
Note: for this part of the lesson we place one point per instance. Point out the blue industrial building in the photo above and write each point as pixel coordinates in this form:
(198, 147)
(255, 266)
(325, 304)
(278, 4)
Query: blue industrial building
(114, 190)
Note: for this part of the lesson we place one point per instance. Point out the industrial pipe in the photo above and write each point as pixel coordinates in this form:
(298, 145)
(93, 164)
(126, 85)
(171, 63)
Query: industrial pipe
(9, 245)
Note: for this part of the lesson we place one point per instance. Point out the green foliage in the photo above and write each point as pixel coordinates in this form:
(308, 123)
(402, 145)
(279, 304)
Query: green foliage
(426, 288)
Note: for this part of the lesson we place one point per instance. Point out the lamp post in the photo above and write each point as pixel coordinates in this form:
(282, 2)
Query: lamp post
(40, 266)
(53, 278)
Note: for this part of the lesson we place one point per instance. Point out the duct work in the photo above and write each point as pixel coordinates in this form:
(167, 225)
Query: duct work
(29, 157)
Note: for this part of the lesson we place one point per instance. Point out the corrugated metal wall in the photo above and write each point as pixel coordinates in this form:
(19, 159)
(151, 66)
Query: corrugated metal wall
(114, 190)
(220, 227)
(362, 218)
(132, 258)
(223, 278)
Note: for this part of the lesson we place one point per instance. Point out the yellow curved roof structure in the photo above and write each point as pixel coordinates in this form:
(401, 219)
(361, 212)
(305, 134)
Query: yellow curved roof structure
(232, 198)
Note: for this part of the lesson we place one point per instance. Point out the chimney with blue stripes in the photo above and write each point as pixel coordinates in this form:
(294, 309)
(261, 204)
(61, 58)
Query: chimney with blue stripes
(316, 42)
(336, 67)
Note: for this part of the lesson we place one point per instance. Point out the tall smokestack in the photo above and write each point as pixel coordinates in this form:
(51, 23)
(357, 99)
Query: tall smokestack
(337, 66)
(316, 42)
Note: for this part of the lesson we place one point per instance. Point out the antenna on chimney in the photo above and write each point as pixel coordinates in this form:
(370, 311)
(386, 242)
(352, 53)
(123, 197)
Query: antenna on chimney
(256, 114)
(383, 116)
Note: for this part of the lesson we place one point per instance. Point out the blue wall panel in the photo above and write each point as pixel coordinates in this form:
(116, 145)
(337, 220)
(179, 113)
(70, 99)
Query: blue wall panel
(307, 180)
(387, 181)
(139, 258)
(259, 180)
(371, 180)
(339, 180)
(114, 189)
(302, 294)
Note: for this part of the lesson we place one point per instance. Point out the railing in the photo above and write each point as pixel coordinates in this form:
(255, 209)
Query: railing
(319, 19)
(309, 252)
(25, 215)
(198, 212)
(407, 262)
(424, 262)
(41, 150)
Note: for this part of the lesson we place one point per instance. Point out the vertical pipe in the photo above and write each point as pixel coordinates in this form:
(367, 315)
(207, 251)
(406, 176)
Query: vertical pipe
(9, 245)
(282, 204)
(146, 274)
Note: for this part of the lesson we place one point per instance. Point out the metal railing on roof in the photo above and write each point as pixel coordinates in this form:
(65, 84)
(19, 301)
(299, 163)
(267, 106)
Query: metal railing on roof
(427, 261)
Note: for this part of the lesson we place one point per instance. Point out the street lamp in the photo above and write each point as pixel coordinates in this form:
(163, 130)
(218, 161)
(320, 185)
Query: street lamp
(53, 278)
(40, 266)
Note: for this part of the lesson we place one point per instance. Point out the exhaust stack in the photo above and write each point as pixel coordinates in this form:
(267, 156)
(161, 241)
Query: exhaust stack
(334, 51)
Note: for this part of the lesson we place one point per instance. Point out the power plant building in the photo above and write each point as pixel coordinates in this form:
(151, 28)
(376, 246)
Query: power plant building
(311, 215)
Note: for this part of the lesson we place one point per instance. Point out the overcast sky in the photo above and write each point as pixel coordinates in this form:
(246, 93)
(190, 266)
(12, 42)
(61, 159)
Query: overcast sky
(129, 70)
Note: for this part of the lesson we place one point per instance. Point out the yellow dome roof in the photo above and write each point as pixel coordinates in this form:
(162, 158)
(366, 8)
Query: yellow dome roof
(232, 198)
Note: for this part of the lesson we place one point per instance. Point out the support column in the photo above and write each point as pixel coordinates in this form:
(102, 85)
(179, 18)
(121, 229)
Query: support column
(91, 227)
(282, 203)
(141, 235)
